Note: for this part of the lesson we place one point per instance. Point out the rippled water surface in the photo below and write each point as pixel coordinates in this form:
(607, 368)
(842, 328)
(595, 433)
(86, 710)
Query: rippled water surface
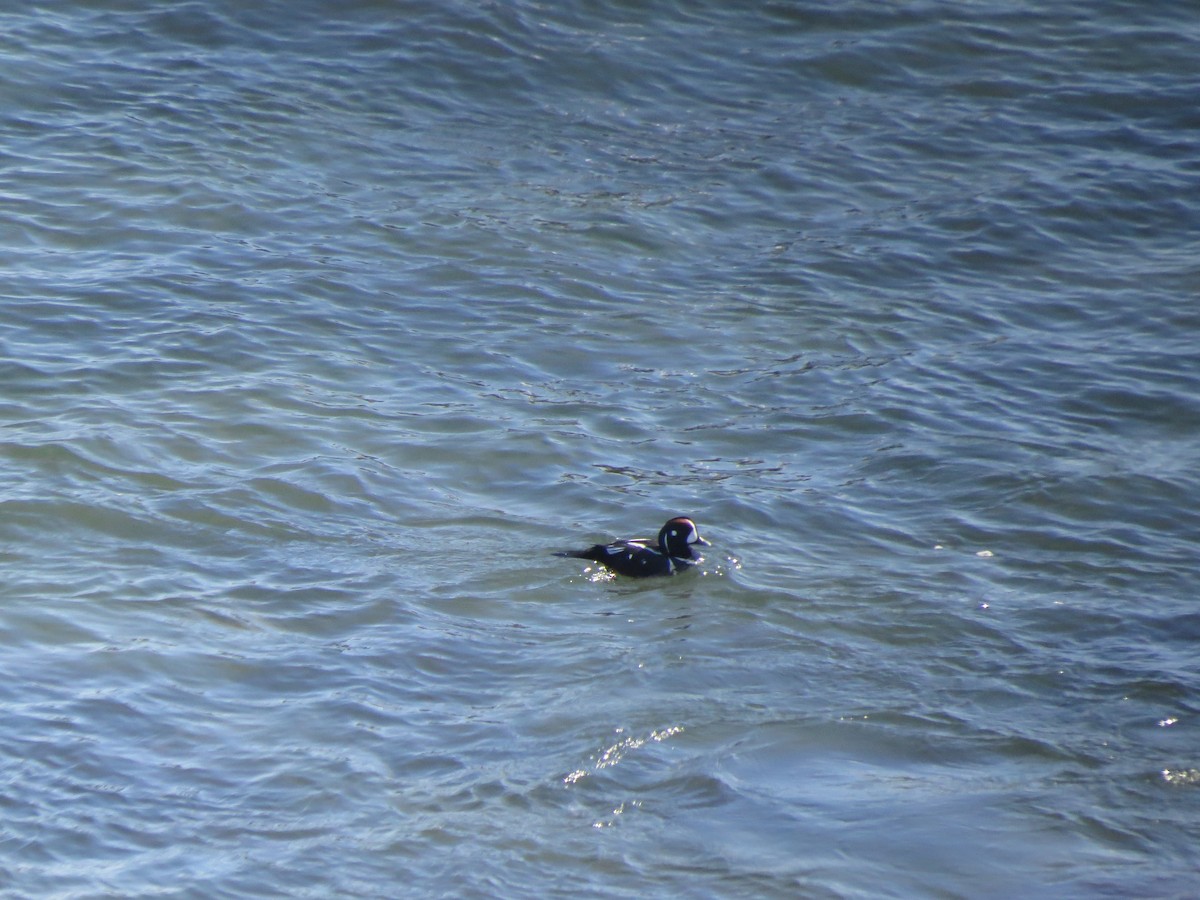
(325, 325)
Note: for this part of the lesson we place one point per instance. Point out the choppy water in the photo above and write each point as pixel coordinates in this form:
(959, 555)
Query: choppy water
(323, 325)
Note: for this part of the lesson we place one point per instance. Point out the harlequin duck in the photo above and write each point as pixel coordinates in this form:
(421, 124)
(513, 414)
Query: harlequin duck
(642, 556)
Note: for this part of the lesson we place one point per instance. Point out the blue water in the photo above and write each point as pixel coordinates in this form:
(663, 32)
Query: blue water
(324, 325)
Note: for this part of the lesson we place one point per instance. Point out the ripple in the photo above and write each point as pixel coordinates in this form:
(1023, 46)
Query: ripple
(325, 328)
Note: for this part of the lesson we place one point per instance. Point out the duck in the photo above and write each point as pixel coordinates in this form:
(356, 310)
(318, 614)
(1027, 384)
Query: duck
(672, 552)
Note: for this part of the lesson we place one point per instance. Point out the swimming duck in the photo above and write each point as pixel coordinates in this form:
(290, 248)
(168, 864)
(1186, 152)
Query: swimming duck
(637, 557)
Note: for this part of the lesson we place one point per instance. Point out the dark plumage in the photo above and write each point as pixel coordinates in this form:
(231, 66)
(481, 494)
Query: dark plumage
(637, 557)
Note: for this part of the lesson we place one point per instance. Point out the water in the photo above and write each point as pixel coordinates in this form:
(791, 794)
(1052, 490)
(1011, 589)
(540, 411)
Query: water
(324, 325)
